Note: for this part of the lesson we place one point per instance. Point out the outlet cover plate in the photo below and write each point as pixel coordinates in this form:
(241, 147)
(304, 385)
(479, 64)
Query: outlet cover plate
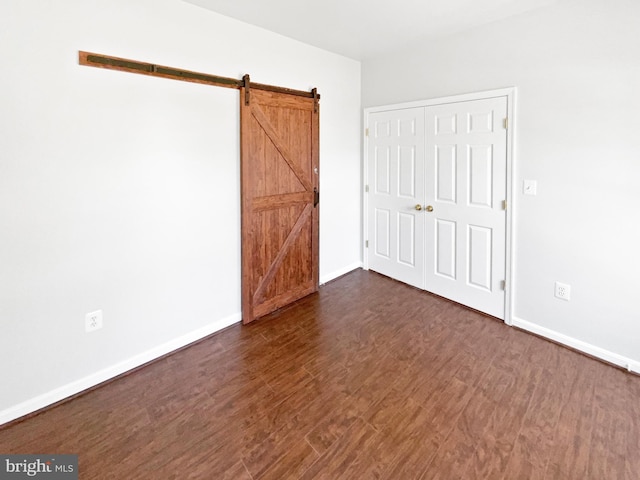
(93, 321)
(563, 291)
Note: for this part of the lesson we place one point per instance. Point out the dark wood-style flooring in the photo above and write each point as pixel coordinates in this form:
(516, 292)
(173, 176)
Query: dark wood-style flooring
(369, 378)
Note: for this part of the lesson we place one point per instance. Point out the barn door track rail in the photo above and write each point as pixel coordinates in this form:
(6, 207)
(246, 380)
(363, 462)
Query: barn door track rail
(153, 70)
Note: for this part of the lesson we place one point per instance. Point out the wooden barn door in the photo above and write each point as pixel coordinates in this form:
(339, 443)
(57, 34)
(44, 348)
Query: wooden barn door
(279, 181)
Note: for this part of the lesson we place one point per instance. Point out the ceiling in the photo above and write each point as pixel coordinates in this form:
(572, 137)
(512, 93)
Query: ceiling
(362, 29)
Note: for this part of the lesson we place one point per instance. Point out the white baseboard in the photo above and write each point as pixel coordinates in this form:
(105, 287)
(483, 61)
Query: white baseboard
(338, 273)
(597, 352)
(73, 388)
(108, 373)
(103, 375)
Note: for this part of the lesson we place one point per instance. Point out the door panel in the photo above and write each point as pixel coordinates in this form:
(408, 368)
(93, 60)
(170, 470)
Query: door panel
(445, 173)
(382, 228)
(480, 257)
(279, 170)
(406, 239)
(445, 248)
(466, 185)
(383, 170)
(480, 168)
(396, 180)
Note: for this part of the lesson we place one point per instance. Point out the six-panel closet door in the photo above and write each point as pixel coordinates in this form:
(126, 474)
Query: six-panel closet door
(437, 179)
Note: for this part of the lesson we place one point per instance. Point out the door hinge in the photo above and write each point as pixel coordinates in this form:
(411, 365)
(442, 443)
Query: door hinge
(366, 132)
(506, 123)
(366, 244)
(504, 204)
(503, 284)
(366, 188)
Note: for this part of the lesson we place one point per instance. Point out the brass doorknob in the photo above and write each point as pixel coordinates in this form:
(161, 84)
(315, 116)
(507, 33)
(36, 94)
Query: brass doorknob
(418, 207)
(429, 208)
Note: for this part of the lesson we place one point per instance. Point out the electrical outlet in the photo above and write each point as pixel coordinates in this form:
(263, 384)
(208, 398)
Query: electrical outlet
(563, 291)
(93, 321)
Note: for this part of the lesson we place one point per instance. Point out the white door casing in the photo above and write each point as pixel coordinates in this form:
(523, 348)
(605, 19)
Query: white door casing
(457, 245)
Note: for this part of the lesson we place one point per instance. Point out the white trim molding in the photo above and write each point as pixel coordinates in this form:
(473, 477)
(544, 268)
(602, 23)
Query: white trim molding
(82, 384)
(584, 347)
(464, 97)
(338, 273)
(78, 386)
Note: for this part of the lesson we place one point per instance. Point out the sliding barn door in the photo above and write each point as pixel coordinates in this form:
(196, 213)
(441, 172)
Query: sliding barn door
(279, 177)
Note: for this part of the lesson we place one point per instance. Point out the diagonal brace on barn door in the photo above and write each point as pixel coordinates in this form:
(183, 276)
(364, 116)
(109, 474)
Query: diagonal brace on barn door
(273, 268)
(264, 122)
(271, 202)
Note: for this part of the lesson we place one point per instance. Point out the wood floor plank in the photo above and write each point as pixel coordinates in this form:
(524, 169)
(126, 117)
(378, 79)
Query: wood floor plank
(237, 472)
(315, 414)
(297, 459)
(454, 455)
(447, 404)
(494, 448)
(415, 449)
(535, 441)
(343, 452)
(386, 445)
(333, 426)
(632, 461)
(572, 442)
(520, 467)
(367, 378)
(609, 439)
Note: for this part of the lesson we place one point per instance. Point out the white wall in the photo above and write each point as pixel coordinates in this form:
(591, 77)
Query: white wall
(121, 192)
(577, 72)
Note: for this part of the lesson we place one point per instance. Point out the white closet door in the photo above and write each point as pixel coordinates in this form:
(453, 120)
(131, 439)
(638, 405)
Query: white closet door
(396, 186)
(466, 179)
